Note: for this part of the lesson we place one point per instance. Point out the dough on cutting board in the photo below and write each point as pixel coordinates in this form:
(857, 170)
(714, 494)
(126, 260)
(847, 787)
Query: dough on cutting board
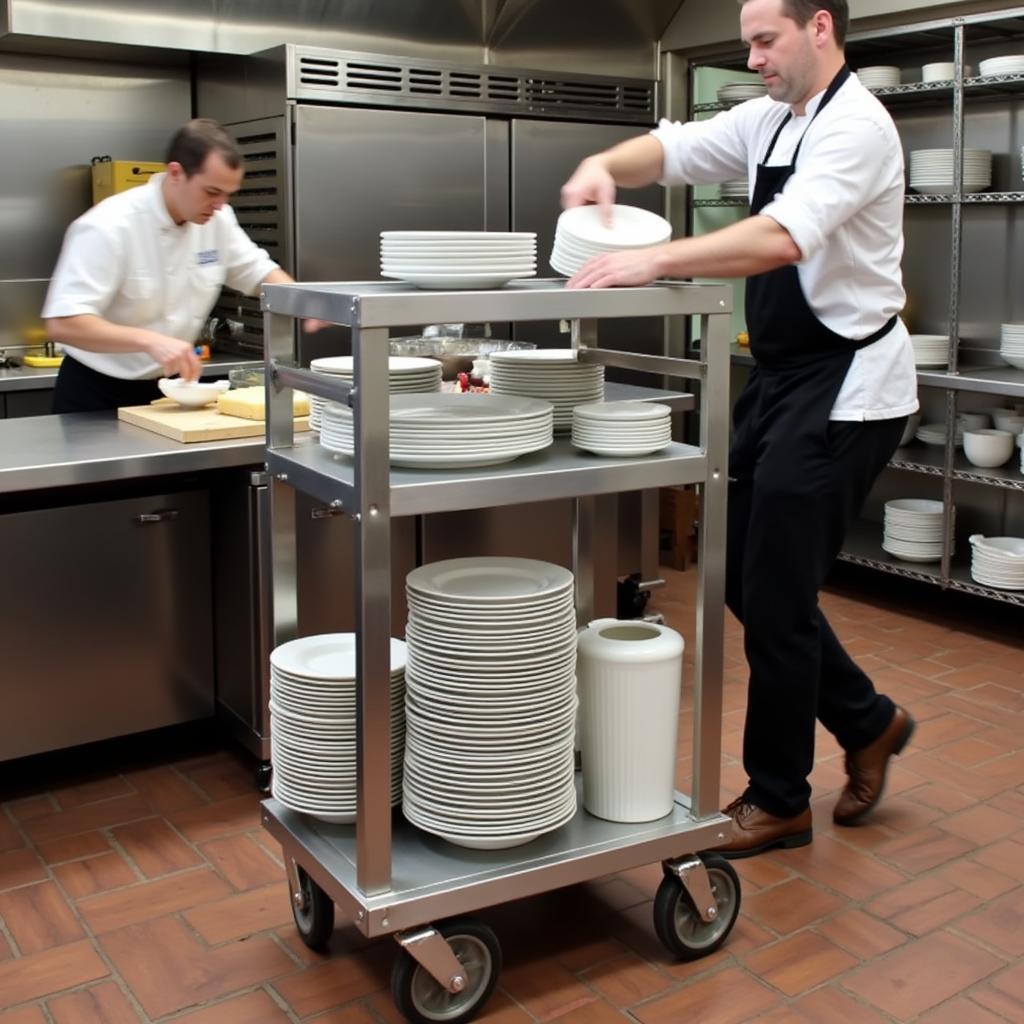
(249, 403)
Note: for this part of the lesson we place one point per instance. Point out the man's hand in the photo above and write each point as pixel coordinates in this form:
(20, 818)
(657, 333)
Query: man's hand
(630, 267)
(174, 355)
(311, 325)
(591, 182)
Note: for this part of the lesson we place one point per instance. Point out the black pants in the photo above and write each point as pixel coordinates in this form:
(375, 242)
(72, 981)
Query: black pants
(79, 388)
(792, 497)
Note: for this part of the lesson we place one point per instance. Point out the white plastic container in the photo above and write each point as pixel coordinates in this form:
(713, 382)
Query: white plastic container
(629, 679)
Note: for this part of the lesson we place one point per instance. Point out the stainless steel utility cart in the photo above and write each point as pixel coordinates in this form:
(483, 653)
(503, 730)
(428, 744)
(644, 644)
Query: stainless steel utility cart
(385, 875)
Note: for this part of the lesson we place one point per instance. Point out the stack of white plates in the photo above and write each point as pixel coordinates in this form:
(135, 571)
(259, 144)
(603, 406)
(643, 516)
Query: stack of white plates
(880, 76)
(581, 234)
(1011, 344)
(930, 349)
(1020, 445)
(552, 374)
(735, 188)
(737, 92)
(406, 375)
(458, 260)
(931, 170)
(1012, 65)
(450, 431)
(935, 433)
(490, 701)
(913, 529)
(998, 561)
(313, 724)
(622, 428)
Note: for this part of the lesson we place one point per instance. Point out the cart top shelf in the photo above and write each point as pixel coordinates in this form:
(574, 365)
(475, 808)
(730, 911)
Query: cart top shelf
(368, 304)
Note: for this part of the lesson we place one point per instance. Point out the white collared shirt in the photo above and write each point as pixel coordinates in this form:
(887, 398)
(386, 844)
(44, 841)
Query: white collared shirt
(843, 206)
(127, 261)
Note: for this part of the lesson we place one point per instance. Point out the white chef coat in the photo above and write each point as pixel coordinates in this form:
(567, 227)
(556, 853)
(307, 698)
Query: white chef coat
(843, 207)
(128, 262)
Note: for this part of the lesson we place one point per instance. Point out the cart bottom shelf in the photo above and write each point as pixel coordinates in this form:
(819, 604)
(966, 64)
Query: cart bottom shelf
(432, 879)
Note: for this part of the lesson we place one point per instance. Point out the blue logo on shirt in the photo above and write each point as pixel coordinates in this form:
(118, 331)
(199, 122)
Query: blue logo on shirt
(207, 256)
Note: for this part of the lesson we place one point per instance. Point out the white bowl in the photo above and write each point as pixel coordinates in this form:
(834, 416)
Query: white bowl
(988, 448)
(913, 422)
(974, 420)
(1008, 422)
(939, 72)
(192, 393)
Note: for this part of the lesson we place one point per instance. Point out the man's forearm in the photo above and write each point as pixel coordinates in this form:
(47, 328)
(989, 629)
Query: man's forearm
(753, 246)
(94, 334)
(635, 162)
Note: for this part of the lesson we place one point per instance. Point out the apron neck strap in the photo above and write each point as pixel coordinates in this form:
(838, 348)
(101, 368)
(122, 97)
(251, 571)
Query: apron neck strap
(833, 87)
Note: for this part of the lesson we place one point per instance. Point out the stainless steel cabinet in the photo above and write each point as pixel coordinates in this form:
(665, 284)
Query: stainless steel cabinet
(107, 620)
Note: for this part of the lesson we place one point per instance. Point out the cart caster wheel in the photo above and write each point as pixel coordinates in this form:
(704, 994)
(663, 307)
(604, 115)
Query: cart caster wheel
(313, 911)
(677, 922)
(263, 774)
(422, 1000)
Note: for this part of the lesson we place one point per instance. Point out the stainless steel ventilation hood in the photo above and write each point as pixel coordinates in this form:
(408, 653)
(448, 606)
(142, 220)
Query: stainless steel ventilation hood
(604, 37)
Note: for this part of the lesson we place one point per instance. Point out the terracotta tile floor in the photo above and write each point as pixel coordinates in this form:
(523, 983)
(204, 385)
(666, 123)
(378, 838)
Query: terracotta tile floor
(141, 887)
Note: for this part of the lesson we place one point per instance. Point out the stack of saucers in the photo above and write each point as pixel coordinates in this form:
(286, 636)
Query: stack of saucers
(313, 724)
(930, 349)
(458, 260)
(735, 188)
(931, 170)
(450, 431)
(1011, 344)
(622, 428)
(912, 530)
(998, 561)
(581, 234)
(552, 374)
(881, 76)
(406, 375)
(737, 92)
(935, 434)
(490, 701)
(1009, 65)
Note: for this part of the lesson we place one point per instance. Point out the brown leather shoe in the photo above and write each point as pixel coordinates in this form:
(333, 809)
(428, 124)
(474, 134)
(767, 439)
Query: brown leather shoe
(754, 831)
(866, 770)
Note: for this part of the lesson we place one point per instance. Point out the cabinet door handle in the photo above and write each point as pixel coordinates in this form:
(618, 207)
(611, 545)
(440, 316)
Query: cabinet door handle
(162, 516)
(325, 511)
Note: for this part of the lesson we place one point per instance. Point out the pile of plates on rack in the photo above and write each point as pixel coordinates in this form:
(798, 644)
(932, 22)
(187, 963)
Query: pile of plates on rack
(735, 188)
(581, 234)
(998, 561)
(930, 349)
(622, 428)
(406, 375)
(313, 724)
(552, 374)
(1011, 344)
(880, 76)
(912, 530)
(450, 431)
(738, 92)
(458, 260)
(935, 433)
(931, 170)
(1010, 65)
(490, 700)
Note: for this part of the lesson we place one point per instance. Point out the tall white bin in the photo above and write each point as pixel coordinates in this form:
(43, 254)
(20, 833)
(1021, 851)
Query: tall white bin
(629, 678)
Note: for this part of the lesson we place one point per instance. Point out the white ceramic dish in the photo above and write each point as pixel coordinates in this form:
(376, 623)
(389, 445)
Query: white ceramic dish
(193, 394)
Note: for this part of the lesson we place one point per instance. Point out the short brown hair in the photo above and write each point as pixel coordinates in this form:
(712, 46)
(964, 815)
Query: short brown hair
(193, 142)
(801, 11)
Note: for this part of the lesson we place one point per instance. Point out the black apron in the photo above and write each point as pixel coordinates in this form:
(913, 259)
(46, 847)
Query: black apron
(80, 388)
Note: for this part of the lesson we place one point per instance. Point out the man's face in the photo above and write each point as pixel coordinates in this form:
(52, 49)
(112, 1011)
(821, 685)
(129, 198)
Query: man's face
(198, 197)
(781, 52)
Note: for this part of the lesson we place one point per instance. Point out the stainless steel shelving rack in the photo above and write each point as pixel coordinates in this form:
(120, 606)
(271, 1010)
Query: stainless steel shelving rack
(385, 875)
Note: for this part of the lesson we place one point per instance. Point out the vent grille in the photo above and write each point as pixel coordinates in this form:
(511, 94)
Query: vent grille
(357, 79)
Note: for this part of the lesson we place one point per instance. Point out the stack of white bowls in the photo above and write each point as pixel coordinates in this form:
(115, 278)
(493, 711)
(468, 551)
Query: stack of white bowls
(622, 428)
(930, 349)
(491, 700)
(313, 724)
(881, 76)
(931, 170)
(988, 448)
(912, 530)
(581, 234)
(998, 561)
(450, 431)
(738, 92)
(1011, 65)
(735, 188)
(406, 375)
(941, 71)
(458, 260)
(1011, 344)
(552, 374)
(935, 434)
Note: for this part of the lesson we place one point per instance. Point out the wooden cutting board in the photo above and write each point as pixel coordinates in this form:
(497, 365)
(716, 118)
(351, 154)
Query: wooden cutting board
(187, 425)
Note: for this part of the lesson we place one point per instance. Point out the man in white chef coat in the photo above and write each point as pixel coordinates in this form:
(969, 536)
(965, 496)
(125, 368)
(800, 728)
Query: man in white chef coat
(139, 273)
(825, 406)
